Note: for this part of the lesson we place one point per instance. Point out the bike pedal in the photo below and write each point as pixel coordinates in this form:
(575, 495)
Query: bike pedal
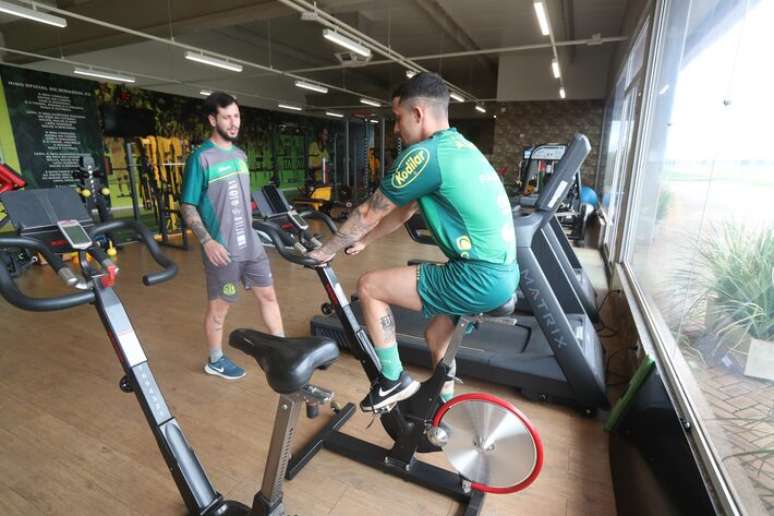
(455, 379)
(381, 411)
(386, 409)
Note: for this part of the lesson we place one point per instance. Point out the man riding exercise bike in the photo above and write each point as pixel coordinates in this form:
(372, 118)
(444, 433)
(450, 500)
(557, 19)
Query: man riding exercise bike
(491, 445)
(468, 212)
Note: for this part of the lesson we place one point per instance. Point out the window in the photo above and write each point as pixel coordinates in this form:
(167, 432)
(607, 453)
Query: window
(620, 120)
(701, 245)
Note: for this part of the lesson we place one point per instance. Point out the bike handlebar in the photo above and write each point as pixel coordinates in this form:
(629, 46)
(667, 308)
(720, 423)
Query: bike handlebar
(153, 278)
(323, 217)
(13, 295)
(10, 291)
(273, 232)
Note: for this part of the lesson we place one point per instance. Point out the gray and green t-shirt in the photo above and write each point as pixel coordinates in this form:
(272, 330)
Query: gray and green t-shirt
(460, 195)
(217, 181)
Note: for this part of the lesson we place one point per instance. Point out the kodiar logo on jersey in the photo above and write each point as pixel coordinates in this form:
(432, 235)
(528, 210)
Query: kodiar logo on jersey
(410, 167)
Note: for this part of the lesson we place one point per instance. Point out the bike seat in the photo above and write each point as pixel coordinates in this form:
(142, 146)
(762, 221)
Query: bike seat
(287, 362)
(506, 308)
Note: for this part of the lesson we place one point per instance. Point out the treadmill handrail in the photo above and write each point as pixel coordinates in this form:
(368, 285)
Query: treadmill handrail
(561, 180)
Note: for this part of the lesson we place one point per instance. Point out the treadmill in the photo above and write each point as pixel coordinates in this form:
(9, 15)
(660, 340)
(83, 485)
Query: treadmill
(554, 355)
(537, 165)
(533, 173)
(553, 152)
(580, 281)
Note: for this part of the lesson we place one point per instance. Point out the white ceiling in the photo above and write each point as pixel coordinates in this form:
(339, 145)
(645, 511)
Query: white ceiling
(269, 33)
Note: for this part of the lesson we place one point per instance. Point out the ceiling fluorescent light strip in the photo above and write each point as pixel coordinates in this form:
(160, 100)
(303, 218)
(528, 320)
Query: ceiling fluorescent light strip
(456, 96)
(555, 68)
(213, 61)
(110, 76)
(334, 115)
(311, 87)
(165, 40)
(540, 12)
(32, 14)
(480, 109)
(346, 42)
(562, 93)
(290, 107)
(369, 102)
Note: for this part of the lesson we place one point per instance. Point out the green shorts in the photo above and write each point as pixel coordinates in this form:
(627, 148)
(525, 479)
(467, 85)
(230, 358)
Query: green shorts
(460, 287)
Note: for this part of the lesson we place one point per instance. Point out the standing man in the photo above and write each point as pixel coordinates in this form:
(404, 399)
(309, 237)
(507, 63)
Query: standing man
(216, 206)
(317, 152)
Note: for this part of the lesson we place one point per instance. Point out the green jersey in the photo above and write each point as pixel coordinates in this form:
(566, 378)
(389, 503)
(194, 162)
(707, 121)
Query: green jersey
(460, 195)
(217, 182)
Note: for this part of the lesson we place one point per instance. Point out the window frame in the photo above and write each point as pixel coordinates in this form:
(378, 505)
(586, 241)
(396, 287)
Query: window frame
(655, 337)
(644, 23)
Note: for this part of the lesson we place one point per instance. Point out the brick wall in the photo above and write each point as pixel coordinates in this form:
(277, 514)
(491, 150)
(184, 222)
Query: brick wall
(523, 124)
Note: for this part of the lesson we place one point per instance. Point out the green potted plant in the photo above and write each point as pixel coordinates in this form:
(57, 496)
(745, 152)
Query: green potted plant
(732, 280)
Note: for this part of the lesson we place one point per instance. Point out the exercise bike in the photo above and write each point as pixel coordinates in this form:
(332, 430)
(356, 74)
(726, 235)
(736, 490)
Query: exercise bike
(93, 189)
(19, 261)
(491, 444)
(288, 363)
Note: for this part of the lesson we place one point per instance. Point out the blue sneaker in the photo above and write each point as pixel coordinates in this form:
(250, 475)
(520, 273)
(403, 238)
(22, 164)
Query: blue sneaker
(224, 368)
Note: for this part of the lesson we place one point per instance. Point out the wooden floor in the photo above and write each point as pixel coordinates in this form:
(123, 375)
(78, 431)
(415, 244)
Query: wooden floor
(72, 443)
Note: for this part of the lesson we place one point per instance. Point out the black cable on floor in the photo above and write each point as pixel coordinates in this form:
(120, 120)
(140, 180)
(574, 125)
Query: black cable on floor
(601, 326)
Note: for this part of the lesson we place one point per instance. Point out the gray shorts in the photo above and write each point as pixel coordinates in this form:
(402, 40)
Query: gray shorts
(222, 281)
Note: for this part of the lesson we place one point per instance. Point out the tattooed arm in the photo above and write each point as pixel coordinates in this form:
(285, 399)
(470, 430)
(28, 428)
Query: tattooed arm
(215, 252)
(194, 221)
(363, 219)
(391, 222)
(387, 225)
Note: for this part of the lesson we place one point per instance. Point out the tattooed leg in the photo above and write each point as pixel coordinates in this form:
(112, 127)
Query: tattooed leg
(377, 291)
(387, 323)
